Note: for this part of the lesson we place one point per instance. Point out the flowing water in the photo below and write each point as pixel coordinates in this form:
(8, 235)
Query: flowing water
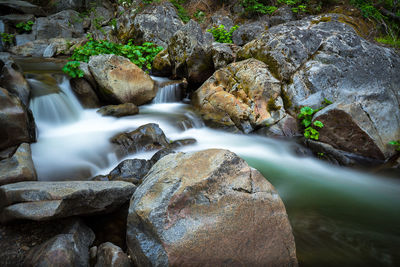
(340, 217)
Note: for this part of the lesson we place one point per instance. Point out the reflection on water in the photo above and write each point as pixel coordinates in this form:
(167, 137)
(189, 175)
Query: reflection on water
(340, 217)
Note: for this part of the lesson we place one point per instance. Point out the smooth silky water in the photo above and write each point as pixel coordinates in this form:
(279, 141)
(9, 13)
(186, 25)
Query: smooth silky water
(340, 217)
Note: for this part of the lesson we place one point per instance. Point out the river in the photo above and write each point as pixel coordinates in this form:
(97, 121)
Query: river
(340, 217)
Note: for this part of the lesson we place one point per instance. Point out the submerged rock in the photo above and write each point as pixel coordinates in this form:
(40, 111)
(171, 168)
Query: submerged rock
(244, 95)
(16, 121)
(208, 207)
(49, 200)
(109, 255)
(19, 167)
(126, 109)
(121, 81)
(67, 249)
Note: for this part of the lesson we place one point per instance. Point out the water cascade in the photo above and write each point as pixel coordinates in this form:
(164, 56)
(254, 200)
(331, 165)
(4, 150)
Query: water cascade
(340, 217)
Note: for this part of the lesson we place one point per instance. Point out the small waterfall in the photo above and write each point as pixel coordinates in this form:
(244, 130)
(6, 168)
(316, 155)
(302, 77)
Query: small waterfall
(52, 103)
(168, 91)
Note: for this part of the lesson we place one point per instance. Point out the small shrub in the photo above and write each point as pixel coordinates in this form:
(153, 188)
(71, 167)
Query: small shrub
(254, 6)
(7, 38)
(396, 144)
(199, 15)
(310, 131)
(389, 40)
(73, 70)
(23, 27)
(182, 13)
(221, 35)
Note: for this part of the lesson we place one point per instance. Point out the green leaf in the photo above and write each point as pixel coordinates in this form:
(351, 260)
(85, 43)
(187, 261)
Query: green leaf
(318, 124)
(306, 122)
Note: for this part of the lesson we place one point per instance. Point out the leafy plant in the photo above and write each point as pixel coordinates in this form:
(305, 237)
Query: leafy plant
(141, 55)
(199, 15)
(24, 26)
(7, 38)
(73, 70)
(297, 5)
(182, 13)
(254, 6)
(396, 144)
(310, 131)
(221, 35)
(389, 40)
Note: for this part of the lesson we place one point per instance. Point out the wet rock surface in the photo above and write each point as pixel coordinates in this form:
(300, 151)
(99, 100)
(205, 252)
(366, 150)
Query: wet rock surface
(208, 207)
(50, 200)
(126, 109)
(109, 255)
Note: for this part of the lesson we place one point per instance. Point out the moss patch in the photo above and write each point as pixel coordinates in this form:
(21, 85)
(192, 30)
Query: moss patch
(272, 106)
(323, 19)
(287, 103)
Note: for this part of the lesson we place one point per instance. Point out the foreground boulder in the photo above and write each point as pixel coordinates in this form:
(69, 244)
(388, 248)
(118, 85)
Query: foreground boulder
(16, 121)
(19, 167)
(109, 255)
(121, 81)
(244, 95)
(323, 57)
(49, 200)
(70, 248)
(208, 207)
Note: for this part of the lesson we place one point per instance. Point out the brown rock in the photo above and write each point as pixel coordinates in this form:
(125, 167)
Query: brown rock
(121, 81)
(208, 208)
(109, 255)
(126, 109)
(85, 93)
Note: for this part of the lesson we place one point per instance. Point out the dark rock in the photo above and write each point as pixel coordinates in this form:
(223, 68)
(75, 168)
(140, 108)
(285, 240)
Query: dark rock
(160, 154)
(288, 126)
(16, 121)
(161, 64)
(85, 93)
(68, 249)
(109, 255)
(121, 110)
(49, 200)
(22, 39)
(145, 138)
(182, 142)
(223, 54)
(248, 32)
(156, 24)
(17, 6)
(19, 167)
(282, 15)
(130, 170)
(208, 207)
(188, 54)
(217, 20)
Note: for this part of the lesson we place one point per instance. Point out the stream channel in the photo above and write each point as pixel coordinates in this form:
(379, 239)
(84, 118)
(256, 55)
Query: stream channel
(340, 217)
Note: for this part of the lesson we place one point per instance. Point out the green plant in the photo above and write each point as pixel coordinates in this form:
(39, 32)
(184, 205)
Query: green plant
(306, 114)
(221, 35)
(73, 70)
(24, 26)
(297, 5)
(389, 40)
(7, 38)
(141, 55)
(396, 144)
(199, 15)
(182, 13)
(254, 6)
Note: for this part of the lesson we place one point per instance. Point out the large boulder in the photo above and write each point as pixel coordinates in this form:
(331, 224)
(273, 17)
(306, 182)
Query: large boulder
(49, 200)
(189, 54)
(109, 255)
(223, 54)
(248, 32)
(17, 6)
(16, 121)
(70, 248)
(324, 57)
(121, 81)
(19, 167)
(244, 95)
(156, 24)
(208, 207)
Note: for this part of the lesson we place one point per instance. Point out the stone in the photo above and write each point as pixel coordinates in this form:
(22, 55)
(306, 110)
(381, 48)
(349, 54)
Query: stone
(217, 20)
(189, 54)
(161, 64)
(14, 19)
(286, 127)
(22, 39)
(208, 207)
(130, 170)
(244, 94)
(40, 201)
(109, 255)
(156, 24)
(248, 32)
(223, 54)
(12, 79)
(16, 121)
(17, 6)
(19, 167)
(281, 15)
(127, 109)
(121, 81)
(324, 57)
(145, 138)
(85, 93)
(67, 249)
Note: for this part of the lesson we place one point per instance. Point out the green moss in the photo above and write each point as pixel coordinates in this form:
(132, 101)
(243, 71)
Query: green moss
(287, 103)
(323, 19)
(273, 65)
(272, 106)
(389, 40)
